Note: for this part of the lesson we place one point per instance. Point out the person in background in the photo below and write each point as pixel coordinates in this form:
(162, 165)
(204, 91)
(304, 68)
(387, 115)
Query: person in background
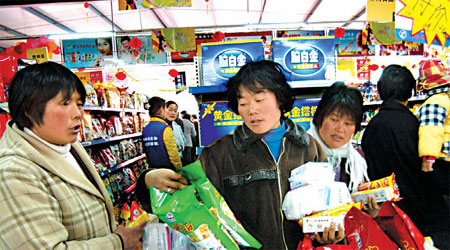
(51, 194)
(390, 143)
(104, 46)
(189, 134)
(338, 116)
(434, 142)
(251, 166)
(171, 115)
(158, 138)
(195, 141)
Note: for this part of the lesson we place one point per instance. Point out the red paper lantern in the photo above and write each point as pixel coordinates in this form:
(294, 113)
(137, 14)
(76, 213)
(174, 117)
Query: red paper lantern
(86, 5)
(121, 76)
(339, 32)
(173, 73)
(218, 36)
(136, 43)
(373, 67)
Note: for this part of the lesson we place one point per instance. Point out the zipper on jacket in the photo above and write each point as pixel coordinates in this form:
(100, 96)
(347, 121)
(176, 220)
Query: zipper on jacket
(279, 187)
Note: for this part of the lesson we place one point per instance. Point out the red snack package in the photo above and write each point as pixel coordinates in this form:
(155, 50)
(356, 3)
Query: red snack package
(364, 233)
(399, 227)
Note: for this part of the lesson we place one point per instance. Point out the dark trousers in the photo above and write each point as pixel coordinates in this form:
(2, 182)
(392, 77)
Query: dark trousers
(187, 156)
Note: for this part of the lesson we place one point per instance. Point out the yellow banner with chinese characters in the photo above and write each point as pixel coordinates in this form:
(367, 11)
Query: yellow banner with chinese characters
(40, 54)
(380, 10)
(430, 17)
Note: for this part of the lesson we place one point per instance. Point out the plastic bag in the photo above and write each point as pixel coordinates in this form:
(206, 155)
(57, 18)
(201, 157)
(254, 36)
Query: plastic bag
(316, 197)
(209, 223)
(311, 172)
(159, 236)
(363, 232)
(400, 228)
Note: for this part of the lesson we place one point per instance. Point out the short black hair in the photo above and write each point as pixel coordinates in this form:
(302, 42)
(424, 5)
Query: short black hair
(257, 77)
(396, 83)
(345, 100)
(187, 116)
(154, 104)
(168, 103)
(33, 86)
(125, 38)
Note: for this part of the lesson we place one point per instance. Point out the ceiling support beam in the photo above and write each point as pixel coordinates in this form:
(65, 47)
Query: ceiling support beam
(92, 7)
(159, 18)
(48, 19)
(11, 31)
(262, 11)
(312, 10)
(360, 13)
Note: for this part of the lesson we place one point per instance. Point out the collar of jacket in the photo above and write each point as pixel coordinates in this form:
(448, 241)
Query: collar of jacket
(243, 137)
(157, 119)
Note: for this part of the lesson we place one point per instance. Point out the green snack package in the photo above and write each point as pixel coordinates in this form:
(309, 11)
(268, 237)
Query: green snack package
(203, 216)
(214, 201)
(184, 213)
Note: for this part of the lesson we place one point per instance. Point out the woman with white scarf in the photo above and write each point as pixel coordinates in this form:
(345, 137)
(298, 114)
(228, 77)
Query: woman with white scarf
(337, 117)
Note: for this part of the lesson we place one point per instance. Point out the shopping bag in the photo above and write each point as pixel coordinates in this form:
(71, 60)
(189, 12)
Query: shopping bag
(399, 227)
(306, 244)
(201, 213)
(363, 232)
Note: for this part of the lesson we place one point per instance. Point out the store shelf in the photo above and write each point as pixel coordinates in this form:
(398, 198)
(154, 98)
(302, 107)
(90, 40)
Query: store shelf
(121, 165)
(109, 139)
(412, 99)
(207, 89)
(97, 108)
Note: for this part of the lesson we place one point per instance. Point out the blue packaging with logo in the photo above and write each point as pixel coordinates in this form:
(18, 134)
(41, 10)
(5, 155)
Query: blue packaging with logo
(305, 59)
(221, 61)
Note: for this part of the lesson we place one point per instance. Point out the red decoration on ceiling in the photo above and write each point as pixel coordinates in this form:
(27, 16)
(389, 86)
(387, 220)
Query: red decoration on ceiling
(136, 43)
(86, 5)
(218, 36)
(339, 32)
(121, 76)
(173, 73)
(373, 67)
(383, 66)
(206, 1)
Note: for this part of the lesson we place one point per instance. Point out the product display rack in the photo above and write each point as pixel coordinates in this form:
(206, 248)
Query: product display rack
(109, 139)
(122, 165)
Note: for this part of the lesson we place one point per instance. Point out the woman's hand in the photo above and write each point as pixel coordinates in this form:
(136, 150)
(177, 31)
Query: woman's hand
(165, 180)
(132, 237)
(427, 166)
(372, 208)
(329, 235)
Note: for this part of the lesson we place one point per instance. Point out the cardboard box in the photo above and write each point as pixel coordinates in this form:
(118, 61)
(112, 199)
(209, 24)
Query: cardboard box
(319, 223)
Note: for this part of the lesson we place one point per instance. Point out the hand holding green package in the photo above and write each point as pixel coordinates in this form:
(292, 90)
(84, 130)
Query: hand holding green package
(206, 220)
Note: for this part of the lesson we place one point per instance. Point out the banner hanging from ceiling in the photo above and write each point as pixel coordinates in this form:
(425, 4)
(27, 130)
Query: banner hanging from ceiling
(173, 39)
(306, 59)
(87, 52)
(423, 21)
(380, 10)
(151, 4)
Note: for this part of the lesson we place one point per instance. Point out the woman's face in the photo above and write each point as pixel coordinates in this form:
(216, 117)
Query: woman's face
(172, 112)
(103, 47)
(336, 130)
(260, 111)
(61, 121)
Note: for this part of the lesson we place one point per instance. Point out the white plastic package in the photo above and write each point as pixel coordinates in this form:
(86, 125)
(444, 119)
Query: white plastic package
(159, 236)
(314, 197)
(311, 172)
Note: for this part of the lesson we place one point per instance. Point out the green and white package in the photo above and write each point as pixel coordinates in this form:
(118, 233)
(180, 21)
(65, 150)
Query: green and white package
(205, 218)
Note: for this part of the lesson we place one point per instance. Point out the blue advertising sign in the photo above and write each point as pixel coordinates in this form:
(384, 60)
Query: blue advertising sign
(87, 52)
(217, 120)
(306, 58)
(221, 61)
(406, 35)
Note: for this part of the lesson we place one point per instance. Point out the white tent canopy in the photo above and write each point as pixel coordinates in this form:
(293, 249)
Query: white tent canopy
(18, 22)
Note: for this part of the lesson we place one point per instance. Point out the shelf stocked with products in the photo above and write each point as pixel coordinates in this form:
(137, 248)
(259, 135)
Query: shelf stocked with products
(106, 109)
(109, 139)
(121, 165)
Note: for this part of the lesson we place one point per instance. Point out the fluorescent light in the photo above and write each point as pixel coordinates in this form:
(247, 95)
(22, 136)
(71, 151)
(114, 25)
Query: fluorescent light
(81, 35)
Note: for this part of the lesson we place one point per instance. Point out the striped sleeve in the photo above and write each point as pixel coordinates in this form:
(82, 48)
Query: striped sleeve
(431, 131)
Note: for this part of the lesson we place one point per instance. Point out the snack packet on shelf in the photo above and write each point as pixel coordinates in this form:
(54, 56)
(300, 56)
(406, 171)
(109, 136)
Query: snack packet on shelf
(208, 222)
